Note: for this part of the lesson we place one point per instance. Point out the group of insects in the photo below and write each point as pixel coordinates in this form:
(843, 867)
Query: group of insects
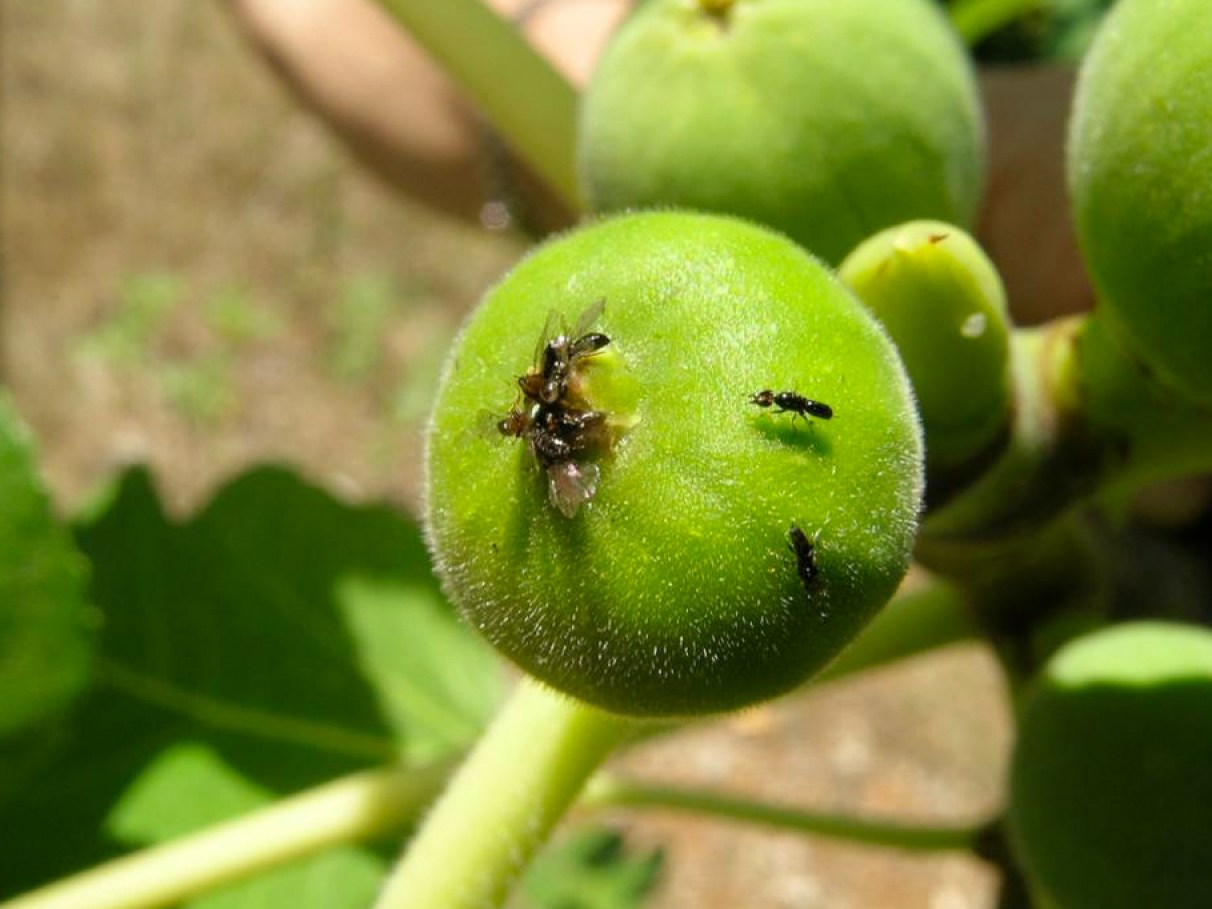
(564, 433)
(562, 430)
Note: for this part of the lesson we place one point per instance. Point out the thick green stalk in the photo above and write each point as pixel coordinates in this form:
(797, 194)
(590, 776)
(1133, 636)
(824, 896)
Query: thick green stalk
(607, 791)
(1147, 431)
(1042, 470)
(927, 612)
(1088, 418)
(351, 809)
(528, 102)
(500, 807)
(976, 20)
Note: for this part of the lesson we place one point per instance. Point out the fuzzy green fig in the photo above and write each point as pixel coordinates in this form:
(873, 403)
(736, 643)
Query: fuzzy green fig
(686, 551)
(1111, 787)
(1140, 174)
(940, 298)
(826, 119)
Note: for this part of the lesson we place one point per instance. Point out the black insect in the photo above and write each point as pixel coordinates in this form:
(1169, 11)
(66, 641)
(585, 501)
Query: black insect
(557, 355)
(557, 437)
(792, 402)
(516, 423)
(567, 432)
(805, 556)
(560, 430)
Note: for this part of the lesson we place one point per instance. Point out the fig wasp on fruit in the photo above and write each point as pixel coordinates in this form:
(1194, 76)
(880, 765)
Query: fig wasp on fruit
(793, 403)
(553, 419)
(805, 556)
(556, 355)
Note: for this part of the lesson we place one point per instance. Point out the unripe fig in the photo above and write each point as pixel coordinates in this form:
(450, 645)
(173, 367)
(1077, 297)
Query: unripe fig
(1140, 174)
(1112, 777)
(721, 551)
(827, 119)
(942, 301)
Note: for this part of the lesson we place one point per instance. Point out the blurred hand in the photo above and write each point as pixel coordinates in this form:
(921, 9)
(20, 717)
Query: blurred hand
(394, 108)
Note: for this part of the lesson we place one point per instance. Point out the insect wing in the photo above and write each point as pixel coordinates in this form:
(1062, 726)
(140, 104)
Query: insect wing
(546, 336)
(592, 313)
(570, 485)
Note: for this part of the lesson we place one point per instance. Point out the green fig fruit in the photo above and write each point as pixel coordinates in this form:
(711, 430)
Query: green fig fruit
(826, 119)
(613, 502)
(1112, 775)
(1140, 174)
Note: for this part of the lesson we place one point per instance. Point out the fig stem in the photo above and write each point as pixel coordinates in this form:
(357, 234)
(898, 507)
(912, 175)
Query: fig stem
(1150, 432)
(1088, 418)
(351, 809)
(976, 20)
(525, 98)
(607, 791)
(927, 612)
(501, 805)
(717, 9)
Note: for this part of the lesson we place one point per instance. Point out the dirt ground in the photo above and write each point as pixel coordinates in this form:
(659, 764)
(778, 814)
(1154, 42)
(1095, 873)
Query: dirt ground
(195, 275)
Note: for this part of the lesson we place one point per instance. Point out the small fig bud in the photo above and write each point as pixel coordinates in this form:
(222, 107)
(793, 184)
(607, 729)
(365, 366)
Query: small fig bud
(1110, 786)
(942, 301)
(720, 549)
(826, 119)
(1139, 174)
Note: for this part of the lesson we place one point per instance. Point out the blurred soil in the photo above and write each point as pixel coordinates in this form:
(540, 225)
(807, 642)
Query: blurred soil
(195, 275)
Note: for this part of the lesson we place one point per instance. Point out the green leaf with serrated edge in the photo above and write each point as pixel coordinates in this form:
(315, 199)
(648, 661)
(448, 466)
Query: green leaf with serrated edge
(591, 869)
(287, 636)
(46, 624)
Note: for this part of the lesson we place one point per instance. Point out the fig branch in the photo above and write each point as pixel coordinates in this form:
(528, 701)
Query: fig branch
(526, 100)
(606, 791)
(352, 809)
(516, 784)
(926, 613)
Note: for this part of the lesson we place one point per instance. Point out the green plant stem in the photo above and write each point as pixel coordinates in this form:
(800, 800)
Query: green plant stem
(529, 103)
(927, 612)
(1101, 391)
(1088, 418)
(607, 791)
(502, 804)
(976, 20)
(351, 809)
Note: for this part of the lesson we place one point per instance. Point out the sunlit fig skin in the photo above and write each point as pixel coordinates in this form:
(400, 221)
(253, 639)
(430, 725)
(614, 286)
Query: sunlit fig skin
(940, 298)
(1110, 784)
(675, 589)
(1140, 175)
(826, 119)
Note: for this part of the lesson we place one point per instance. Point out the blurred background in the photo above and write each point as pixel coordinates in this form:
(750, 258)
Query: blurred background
(198, 275)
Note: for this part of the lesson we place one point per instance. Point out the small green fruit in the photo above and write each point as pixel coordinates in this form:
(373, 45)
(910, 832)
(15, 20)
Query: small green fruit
(940, 298)
(674, 590)
(827, 119)
(1140, 174)
(1112, 778)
